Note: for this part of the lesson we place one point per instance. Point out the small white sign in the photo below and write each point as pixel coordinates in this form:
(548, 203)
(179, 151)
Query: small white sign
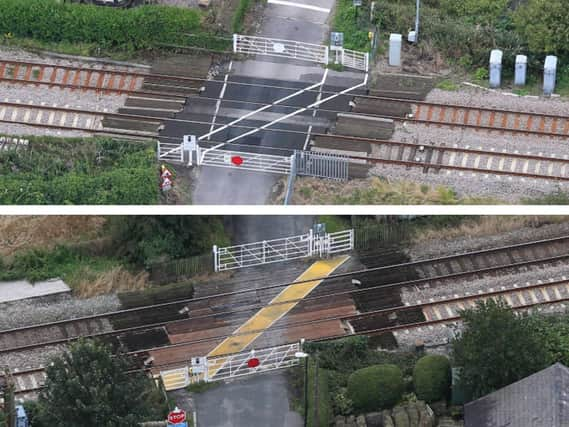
(279, 48)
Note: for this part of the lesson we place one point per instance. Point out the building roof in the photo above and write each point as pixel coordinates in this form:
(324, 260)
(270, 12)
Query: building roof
(540, 400)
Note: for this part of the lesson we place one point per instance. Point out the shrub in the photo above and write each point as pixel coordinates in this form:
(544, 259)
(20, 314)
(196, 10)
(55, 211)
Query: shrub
(432, 377)
(481, 74)
(375, 387)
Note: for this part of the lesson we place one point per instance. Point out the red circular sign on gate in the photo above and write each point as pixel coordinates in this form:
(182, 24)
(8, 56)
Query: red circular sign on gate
(176, 417)
(237, 160)
(253, 362)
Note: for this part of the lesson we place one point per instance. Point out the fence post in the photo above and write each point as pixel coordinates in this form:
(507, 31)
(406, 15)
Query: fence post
(352, 239)
(158, 149)
(235, 43)
(327, 55)
(215, 259)
(367, 61)
(310, 242)
(264, 250)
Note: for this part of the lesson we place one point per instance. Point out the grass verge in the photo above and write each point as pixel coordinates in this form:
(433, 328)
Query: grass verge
(353, 23)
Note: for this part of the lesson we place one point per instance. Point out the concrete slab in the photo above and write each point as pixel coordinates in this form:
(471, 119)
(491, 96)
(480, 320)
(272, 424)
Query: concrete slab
(22, 289)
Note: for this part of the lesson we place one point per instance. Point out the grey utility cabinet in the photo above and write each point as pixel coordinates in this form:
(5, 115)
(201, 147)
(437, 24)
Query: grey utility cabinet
(395, 50)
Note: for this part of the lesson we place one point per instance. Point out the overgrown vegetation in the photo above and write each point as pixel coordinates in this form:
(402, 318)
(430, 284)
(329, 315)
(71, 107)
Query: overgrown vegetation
(98, 28)
(432, 378)
(465, 31)
(353, 23)
(94, 171)
(239, 15)
(375, 387)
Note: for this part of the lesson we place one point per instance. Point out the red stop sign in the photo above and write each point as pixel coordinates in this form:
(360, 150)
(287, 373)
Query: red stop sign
(253, 362)
(176, 417)
(237, 160)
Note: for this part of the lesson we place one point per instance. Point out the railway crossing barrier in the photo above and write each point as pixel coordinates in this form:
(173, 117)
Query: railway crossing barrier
(283, 249)
(320, 54)
(230, 366)
(252, 45)
(245, 363)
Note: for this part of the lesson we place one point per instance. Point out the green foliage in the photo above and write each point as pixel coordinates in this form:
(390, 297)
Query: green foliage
(432, 378)
(543, 24)
(375, 387)
(355, 29)
(497, 348)
(334, 222)
(42, 264)
(318, 397)
(90, 387)
(202, 386)
(556, 198)
(481, 74)
(485, 12)
(106, 28)
(144, 240)
(78, 171)
(239, 16)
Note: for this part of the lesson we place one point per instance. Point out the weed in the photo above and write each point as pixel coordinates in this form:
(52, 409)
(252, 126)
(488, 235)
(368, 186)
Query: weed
(481, 74)
(201, 386)
(447, 85)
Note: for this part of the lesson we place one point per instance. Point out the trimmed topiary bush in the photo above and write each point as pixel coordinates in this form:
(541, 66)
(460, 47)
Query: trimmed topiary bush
(432, 378)
(375, 387)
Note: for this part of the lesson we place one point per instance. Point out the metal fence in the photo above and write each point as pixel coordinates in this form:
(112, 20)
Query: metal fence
(368, 236)
(236, 365)
(283, 249)
(355, 59)
(258, 162)
(322, 165)
(252, 45)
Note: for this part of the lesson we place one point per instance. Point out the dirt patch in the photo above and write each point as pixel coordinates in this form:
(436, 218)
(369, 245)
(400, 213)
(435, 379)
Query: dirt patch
(27, 232)
(370, 191)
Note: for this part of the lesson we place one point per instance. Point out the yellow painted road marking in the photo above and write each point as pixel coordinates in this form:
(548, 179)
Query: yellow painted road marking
(267, 316)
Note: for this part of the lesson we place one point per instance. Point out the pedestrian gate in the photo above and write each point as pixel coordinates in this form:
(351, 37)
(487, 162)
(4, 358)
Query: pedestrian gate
(284, 249)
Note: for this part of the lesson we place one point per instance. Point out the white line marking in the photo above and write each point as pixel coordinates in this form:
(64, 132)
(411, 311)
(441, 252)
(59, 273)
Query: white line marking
(218, 103)
(302, 6)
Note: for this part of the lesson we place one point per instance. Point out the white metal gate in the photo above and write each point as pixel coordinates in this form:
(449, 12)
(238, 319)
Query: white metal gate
(246, 161)
(252, 45)
(232, 366)
(284, 249)
(355, 59)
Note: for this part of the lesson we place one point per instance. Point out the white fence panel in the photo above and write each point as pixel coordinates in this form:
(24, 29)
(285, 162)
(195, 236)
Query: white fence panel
(265, 252)
(340, 241)
(355, 59)
(235, 365)
(170, 152)
(252, 45)
(246, 161)
(322, 165)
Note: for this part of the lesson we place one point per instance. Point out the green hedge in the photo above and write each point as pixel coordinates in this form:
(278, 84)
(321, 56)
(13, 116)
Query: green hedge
(375, 387)
(109, 28)
(60, 171)
(432, 378)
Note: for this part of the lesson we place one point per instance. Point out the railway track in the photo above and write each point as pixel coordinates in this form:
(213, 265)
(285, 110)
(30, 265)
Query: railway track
(374, 285)
(75, 119)
(477, 118)
(99, 79)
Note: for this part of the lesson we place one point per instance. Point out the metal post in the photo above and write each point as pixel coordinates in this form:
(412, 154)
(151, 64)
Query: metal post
(417, 22)
(310, 242)
(158, 149)
(235, 42)
(215, 259)
(305, 391)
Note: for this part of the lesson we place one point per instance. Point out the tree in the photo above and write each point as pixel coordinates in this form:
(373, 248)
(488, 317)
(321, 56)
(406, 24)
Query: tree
(89, 387)
(432, 378)
(497, 348)
(543, 24)
(375, 387)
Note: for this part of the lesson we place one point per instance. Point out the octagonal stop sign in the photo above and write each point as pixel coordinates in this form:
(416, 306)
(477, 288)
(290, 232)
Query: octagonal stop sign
(177, 416)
